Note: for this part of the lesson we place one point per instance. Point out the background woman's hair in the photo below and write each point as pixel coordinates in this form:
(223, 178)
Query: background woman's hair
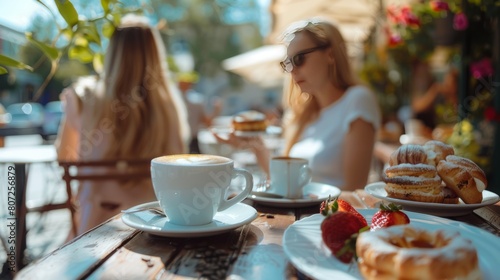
(303, 106)
(134, 101)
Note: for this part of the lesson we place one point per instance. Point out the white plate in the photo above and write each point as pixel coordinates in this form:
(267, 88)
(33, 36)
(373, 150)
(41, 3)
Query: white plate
(305, 249)
(438, 209)
(224, 130)
(314, 193)
(238, 215)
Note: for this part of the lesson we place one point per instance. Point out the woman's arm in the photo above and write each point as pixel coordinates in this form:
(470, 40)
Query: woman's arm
(358, 151)
(425, 101)
(68, 137)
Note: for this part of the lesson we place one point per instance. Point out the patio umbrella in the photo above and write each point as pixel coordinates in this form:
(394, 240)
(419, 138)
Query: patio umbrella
(354, 17)
(259, 66)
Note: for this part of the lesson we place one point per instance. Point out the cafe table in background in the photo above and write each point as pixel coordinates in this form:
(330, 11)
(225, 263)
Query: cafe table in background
(18, 161)
(114, 250)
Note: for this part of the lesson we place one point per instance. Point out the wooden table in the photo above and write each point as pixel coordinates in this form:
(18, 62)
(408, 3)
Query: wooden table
(116, 251)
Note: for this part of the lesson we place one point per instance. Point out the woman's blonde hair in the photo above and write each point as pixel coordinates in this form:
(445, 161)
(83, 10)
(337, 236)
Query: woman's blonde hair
(133, 101)
(303, 108)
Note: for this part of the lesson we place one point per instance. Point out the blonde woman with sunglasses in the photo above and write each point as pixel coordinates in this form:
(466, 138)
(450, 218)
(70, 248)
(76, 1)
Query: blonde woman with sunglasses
(330, 120)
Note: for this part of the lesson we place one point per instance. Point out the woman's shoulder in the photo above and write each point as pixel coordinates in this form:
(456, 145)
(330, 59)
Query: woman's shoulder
(86, 86)
(361, 101)
(359, 90)
(360, 93)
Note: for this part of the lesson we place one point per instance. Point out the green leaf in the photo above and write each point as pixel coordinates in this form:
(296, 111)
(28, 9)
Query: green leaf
(98, 62)
(107, 29)
(105, 5)
(117, 17)
(7, 61)
(49, 51)
(80, 41)
(67, 11)
(89, 31)
(83, 54)
(3, 70)
(67, 33)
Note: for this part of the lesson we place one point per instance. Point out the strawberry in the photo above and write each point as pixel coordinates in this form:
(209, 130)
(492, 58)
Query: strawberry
(339, 231)
(330, 206)
(389, 215)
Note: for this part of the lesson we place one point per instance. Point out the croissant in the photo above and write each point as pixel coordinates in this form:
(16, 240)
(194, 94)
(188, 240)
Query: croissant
(437, 151)
(464, 177)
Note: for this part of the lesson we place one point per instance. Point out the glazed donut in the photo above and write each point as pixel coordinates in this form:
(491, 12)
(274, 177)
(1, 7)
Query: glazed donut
(405, 252)
(408, 153)
(414, 170)
(437, 151)
(464, 177)
(421, 189)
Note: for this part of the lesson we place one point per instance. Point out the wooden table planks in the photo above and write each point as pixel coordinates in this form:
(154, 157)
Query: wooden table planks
(81, 256)
(254, 251)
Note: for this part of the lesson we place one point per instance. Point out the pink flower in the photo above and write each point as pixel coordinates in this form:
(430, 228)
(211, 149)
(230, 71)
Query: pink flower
(393, 14)
(460, 21)
(439, 5)
(409, 18)
(394, 39)
(481, 68)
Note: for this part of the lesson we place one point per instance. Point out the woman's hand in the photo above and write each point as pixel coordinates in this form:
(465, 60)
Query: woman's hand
(255, 144)
(240, 142)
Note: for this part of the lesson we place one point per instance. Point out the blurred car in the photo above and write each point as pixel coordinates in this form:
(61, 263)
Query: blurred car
(53, 115)
(21, 115)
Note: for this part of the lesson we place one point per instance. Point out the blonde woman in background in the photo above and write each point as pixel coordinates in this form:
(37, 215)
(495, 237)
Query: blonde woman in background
(330, 119)
(131, 112)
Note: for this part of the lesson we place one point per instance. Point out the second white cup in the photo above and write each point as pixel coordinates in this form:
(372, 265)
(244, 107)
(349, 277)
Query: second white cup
(288, 176)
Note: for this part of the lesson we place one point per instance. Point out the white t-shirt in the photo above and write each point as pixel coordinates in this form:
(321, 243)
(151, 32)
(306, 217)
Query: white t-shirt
(322, 141)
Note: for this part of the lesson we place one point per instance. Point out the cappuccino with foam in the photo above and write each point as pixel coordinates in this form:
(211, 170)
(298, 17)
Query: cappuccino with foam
(192, 159)
(191, 188)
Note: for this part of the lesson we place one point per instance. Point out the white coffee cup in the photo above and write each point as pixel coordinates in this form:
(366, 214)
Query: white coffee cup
(288, 176)
(191, 188)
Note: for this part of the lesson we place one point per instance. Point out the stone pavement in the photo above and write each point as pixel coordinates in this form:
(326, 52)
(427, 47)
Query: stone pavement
(46, 231)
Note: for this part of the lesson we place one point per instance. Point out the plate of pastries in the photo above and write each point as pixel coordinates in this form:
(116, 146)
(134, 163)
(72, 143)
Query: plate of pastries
(249, 123)
(431, 179)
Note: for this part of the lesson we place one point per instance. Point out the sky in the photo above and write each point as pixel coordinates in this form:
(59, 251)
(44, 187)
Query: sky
(17, 14)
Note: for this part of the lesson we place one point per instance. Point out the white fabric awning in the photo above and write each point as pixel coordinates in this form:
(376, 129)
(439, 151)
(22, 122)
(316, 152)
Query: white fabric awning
(260, 66)
(354, 17)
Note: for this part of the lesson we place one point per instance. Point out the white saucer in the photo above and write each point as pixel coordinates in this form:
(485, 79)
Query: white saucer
(438, 209)
(314, 193)
(238, 215)
(305, 249)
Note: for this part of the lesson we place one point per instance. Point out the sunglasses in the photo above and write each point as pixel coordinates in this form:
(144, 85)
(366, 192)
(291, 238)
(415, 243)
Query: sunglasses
(298, 59)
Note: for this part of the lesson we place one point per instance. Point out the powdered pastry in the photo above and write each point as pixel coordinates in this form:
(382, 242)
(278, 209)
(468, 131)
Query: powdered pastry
(405, 252)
